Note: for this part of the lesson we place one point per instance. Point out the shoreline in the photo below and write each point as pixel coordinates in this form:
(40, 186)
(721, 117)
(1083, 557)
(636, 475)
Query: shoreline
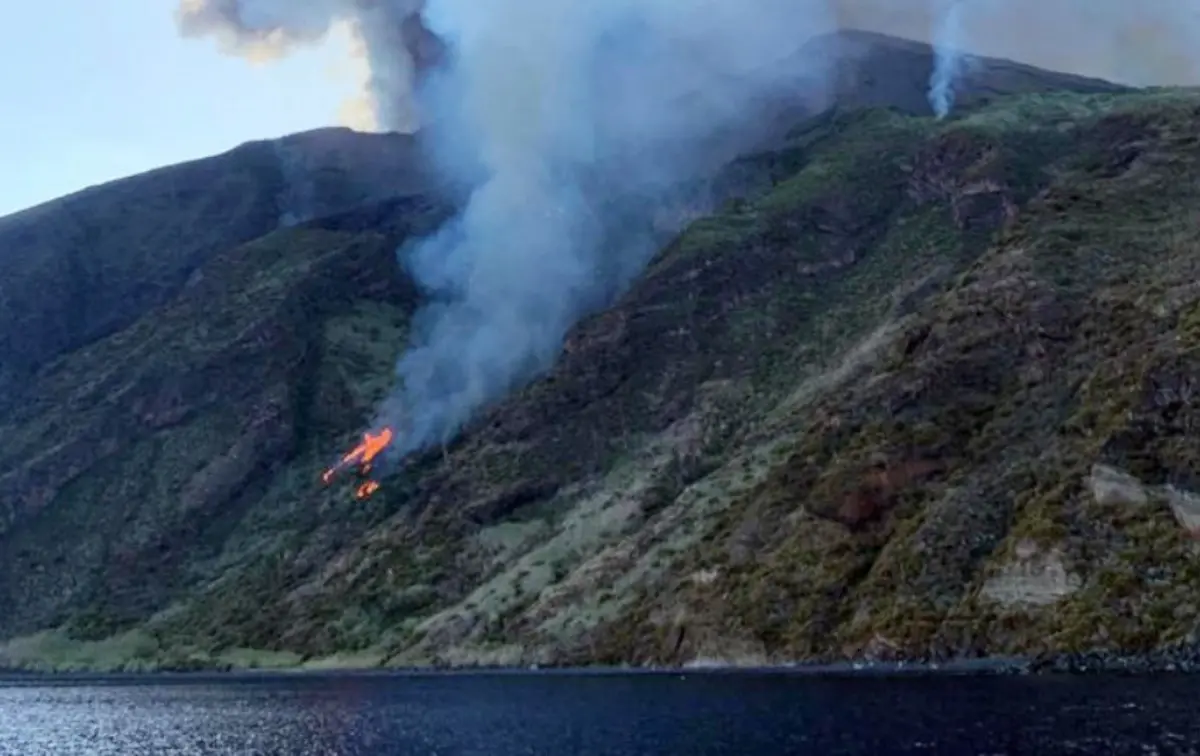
(1081, 664)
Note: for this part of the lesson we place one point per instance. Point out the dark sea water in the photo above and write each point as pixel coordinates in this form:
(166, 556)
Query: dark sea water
(507, 715)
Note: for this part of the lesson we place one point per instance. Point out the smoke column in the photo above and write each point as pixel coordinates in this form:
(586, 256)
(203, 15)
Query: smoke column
(387, 34)
(948, 58)
(575, 114)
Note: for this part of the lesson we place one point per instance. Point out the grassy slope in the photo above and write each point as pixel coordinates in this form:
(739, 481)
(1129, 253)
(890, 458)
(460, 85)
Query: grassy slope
(1065, 345)
(85, 266)
(822, 424)
(143, 464)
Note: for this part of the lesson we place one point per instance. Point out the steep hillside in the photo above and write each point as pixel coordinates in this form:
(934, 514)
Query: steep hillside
(926, 392)
(882, 71)
(873, 70)
(82, 267)
(887, 409)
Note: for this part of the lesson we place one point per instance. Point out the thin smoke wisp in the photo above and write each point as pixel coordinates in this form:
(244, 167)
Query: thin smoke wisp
(948, 60)
(1140, 44)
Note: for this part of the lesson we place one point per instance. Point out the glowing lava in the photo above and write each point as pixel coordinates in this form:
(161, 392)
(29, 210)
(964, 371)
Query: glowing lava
(362, 455)
(366, 489)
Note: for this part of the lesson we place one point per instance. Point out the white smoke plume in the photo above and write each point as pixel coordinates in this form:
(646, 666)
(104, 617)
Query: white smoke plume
(567, 113)
(948, 59)
(387, 36)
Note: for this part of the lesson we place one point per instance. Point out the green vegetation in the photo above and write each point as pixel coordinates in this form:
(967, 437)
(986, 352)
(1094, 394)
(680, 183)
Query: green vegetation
(852, 415)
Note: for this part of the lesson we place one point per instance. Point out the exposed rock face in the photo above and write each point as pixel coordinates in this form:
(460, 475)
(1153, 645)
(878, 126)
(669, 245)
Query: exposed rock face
(1113, 487)
(1186, 508)
(1033, 578)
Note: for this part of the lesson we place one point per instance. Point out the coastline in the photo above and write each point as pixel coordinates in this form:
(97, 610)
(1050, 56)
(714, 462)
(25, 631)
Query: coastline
(1180, 661)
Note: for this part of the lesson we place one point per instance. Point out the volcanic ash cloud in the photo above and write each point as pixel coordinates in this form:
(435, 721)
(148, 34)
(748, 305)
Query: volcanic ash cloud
(387, 35)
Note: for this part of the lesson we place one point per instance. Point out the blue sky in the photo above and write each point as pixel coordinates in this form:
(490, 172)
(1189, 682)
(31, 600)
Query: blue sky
(94, 90)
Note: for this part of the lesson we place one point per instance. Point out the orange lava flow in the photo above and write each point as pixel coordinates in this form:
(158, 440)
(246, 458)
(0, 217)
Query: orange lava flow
(362, 455)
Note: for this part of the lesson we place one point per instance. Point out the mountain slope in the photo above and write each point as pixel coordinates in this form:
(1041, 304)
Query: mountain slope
(971, 492)
(924, 393)
(129, 452)
(881, 71)
(788, 442)
(84, 266)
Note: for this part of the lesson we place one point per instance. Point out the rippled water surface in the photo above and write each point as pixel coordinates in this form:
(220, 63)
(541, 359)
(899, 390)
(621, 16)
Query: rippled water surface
(503, 715)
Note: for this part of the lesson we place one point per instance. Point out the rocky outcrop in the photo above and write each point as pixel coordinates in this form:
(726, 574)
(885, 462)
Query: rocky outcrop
(1112, 487)
(1034, 577)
